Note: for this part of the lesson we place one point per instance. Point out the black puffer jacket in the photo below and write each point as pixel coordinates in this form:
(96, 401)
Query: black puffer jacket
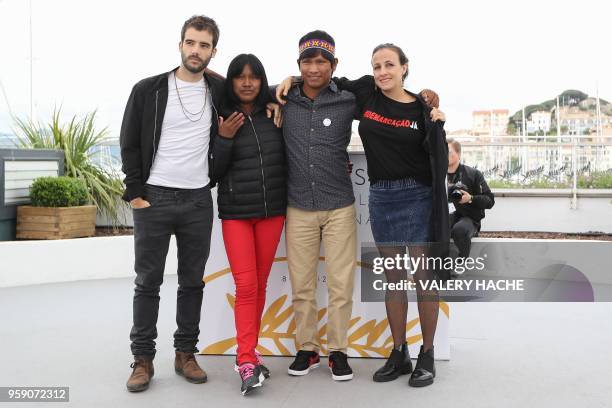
(251, 169)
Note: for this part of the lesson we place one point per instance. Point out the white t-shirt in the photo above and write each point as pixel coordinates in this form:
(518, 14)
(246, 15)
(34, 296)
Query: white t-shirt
(181, 160)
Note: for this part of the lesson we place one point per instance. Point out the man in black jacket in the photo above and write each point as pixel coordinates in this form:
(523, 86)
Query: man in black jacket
(165, 140)
(472, 197)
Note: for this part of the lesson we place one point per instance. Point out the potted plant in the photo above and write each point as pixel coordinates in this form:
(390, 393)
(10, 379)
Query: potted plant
(81, 143)
(59, 210)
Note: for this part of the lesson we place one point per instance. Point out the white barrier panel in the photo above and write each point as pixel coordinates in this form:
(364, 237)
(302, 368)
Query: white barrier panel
(369, 334)
(36, 262)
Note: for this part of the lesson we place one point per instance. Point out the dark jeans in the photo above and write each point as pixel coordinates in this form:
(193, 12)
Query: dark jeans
(463, 229)
(188, 214)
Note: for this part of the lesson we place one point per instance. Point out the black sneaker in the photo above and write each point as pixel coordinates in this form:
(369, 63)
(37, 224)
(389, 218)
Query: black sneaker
(339, 367)
(251, 377)
(304, 362)
(424, 371)
(398, 364)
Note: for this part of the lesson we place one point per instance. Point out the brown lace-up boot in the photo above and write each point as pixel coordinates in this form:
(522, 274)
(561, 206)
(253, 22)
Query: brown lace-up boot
(141, 374)
(185, 364)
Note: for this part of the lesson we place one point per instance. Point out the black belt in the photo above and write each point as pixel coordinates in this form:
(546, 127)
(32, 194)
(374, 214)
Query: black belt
(178, 189)
(172, 192)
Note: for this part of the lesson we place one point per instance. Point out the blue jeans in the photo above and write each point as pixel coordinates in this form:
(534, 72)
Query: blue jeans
(400, 211)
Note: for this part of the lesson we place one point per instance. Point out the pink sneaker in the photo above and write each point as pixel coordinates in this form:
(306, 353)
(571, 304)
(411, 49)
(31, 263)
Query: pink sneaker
(265, 371)
(251, 377)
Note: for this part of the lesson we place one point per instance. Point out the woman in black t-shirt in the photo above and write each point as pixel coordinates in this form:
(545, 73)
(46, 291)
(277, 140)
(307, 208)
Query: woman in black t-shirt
(394, 126)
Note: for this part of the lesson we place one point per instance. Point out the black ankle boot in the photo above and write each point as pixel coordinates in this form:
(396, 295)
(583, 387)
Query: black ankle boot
(424, 371)
(398, 364)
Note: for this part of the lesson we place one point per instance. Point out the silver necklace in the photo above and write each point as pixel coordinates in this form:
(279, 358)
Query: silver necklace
(185, 111)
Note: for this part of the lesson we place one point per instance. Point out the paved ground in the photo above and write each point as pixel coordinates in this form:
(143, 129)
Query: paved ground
(503, 355)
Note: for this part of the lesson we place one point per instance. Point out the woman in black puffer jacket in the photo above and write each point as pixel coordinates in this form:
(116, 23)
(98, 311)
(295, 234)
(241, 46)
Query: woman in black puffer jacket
(249, 166)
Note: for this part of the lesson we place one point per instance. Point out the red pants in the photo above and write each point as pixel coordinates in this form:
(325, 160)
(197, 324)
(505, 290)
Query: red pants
(250, 245)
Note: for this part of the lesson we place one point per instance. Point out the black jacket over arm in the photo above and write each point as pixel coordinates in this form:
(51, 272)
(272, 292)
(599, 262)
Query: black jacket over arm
(435, 145)
(142, 124)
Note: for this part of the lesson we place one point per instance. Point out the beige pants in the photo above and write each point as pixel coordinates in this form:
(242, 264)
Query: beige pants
(304, 231)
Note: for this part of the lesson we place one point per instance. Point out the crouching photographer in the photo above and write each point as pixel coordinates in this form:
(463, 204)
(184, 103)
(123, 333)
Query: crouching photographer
(469, 196)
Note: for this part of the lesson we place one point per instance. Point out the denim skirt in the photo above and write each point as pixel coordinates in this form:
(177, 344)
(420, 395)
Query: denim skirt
(400, 211)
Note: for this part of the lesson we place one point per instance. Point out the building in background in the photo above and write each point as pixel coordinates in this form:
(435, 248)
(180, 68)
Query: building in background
(490, 122)
(580, 121)
(539, 121)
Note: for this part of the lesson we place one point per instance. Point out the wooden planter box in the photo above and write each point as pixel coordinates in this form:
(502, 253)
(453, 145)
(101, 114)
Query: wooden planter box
(55, 223)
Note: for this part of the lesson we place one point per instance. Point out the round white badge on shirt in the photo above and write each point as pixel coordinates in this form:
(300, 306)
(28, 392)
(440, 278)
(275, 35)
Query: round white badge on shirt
(326, 122)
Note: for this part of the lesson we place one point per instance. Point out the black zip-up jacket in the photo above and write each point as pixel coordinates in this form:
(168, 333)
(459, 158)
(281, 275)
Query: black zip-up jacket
(142, 124)
(482, 196)
(435, 145)
(251, 169)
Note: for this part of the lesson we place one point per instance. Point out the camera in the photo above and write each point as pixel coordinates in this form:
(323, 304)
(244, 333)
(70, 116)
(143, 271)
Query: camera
(453, 190)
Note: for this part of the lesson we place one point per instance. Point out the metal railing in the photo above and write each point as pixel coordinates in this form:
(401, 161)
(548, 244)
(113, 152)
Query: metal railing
(567, 161)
